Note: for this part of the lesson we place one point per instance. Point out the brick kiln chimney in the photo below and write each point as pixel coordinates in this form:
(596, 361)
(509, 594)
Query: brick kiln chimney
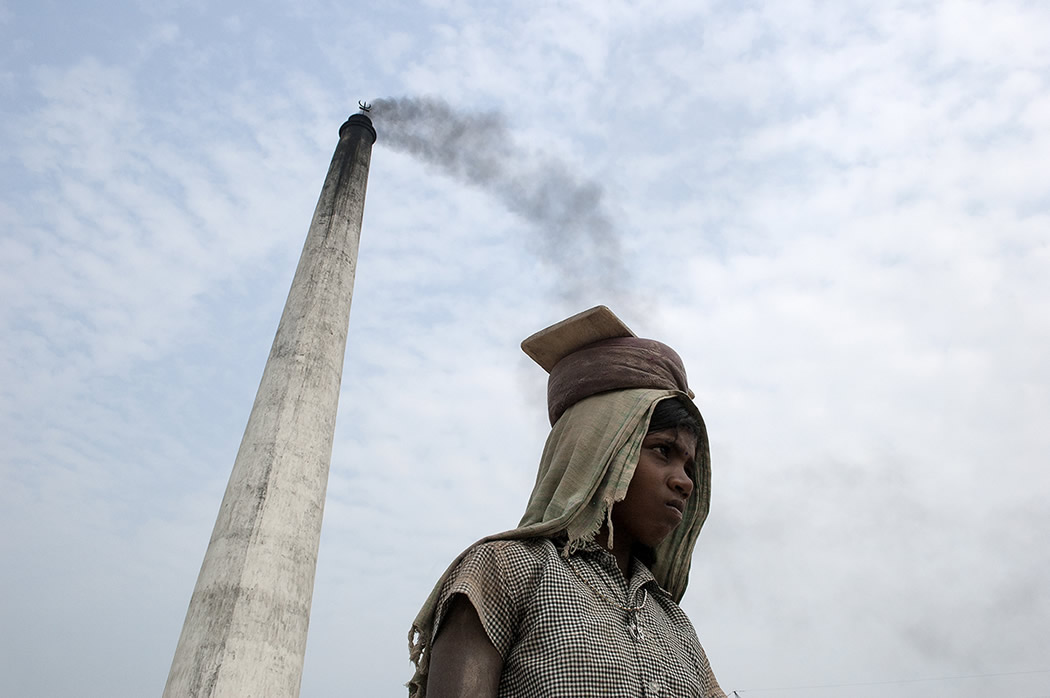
(245, 630)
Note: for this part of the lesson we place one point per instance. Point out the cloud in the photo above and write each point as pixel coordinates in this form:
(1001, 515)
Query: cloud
(836, 214)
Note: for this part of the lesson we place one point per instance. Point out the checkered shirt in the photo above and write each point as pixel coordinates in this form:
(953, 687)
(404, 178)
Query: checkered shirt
(557, 637)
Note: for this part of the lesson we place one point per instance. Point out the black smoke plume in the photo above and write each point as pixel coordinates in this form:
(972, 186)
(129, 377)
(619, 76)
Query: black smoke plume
(574, 231)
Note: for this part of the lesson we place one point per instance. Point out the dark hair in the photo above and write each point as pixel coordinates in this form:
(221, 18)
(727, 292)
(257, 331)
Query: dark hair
(672, 414)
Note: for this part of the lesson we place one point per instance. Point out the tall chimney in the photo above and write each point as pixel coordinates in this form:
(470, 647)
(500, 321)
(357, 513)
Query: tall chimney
(245, 630)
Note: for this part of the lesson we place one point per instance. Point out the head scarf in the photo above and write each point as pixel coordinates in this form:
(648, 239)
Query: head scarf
(587, 465)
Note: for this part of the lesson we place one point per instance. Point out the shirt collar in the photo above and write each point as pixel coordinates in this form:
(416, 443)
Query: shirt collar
(640, 574)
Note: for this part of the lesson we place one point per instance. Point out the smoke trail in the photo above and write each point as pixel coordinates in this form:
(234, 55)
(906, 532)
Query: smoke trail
(575, 233)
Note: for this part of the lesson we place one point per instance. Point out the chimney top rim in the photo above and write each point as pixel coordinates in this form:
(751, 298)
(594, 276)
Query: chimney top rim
(361, 120)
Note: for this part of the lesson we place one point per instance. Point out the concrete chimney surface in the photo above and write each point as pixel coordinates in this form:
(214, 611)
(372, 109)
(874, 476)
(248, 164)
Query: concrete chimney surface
(245, 630)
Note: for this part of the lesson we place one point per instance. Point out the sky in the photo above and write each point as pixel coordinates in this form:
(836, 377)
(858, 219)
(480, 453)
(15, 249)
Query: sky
(836, 212)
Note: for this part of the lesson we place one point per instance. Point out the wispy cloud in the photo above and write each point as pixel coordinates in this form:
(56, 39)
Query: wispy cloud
(836, 213)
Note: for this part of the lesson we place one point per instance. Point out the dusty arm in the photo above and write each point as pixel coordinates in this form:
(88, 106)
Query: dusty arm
(463, 661)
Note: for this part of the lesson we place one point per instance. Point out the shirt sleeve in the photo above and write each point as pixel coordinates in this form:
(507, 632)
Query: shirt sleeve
(714, 690)
(489, 577)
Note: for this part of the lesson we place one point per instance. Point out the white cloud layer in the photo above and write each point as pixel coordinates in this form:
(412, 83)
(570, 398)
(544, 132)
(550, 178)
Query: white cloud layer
(837, 213)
